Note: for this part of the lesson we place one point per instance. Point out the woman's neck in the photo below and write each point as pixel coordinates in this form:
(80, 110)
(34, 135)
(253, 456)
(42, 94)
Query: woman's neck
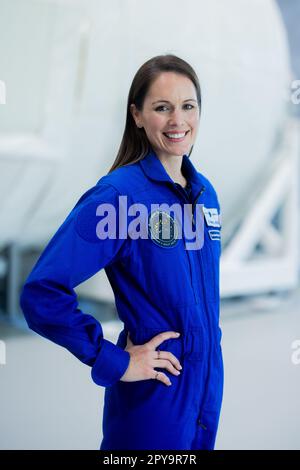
(173, 166)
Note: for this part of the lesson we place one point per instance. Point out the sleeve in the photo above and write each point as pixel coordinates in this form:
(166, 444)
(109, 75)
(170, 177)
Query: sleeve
(48, 300)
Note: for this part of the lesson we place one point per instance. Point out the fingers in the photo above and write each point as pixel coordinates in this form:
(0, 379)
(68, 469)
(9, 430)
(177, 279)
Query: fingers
(165, 364)
(162, 378)
(161, 337)
(169, 356)
(144, 358)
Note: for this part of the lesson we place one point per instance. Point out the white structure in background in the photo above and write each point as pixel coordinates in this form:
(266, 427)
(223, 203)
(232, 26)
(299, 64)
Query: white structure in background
(2, 92)
(2, 353)
(68, 92)
(263, 252)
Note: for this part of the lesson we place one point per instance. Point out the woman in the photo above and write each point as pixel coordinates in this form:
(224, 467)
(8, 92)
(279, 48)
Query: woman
(163, 390)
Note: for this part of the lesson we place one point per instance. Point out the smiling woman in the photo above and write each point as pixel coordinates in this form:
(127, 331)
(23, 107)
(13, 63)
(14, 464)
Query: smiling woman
(164, 378)
(170, 127)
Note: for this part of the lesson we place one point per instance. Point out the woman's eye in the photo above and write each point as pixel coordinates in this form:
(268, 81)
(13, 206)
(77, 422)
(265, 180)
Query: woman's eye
(191, 106)
(160, 108)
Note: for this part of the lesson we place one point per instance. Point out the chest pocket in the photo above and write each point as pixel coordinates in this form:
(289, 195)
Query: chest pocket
(160, 261)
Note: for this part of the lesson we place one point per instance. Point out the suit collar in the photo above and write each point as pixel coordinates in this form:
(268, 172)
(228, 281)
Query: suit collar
(154, 169)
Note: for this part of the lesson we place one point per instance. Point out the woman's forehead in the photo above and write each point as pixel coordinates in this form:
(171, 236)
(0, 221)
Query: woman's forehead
(169, 85)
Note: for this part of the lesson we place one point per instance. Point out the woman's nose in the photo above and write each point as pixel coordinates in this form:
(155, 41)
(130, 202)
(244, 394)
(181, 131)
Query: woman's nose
(176, 118)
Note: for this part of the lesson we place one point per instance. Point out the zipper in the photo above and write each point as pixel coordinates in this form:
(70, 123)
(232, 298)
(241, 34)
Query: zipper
(185, 198)
(199, 419)
(195, 202)
(183, 194)
(202, 425)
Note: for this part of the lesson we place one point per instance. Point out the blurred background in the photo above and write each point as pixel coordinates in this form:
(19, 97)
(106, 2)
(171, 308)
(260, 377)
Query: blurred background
(66, 68)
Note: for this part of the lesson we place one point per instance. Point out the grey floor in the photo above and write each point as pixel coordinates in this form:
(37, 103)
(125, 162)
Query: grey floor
(48, 400)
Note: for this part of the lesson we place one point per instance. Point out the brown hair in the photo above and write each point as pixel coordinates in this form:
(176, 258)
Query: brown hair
(135, 144)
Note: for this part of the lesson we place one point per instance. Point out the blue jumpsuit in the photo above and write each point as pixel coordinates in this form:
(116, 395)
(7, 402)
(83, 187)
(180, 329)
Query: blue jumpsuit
(158, 286)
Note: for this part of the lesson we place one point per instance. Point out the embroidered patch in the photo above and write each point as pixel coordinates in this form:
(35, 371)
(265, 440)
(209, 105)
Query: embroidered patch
(215, 234)
(163, 229)
(212, 216)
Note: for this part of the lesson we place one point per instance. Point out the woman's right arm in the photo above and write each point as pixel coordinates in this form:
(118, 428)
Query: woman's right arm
(49, 302)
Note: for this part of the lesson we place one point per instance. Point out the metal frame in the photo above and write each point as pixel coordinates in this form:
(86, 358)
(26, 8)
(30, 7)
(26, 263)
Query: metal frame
(245, 269)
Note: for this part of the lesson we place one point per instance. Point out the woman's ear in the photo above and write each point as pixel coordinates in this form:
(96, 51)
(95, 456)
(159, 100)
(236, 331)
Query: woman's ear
(135, 113)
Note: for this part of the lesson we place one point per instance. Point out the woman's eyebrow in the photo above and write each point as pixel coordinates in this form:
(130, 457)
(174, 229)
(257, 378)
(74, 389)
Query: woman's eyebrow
(165, 101)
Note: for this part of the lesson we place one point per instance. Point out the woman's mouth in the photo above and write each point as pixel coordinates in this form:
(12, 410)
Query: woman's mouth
(175, 136)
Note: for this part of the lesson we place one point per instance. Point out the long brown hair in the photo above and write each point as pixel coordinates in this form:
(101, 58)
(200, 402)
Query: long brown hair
(135, 144)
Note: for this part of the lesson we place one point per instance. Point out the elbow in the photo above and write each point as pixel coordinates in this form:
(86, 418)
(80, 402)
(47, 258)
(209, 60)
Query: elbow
(26, 302)
(46, 304)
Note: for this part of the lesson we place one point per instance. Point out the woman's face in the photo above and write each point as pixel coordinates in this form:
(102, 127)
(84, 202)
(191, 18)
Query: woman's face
(170, 108)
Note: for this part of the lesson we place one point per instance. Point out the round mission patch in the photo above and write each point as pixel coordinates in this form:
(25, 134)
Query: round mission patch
(163, 229)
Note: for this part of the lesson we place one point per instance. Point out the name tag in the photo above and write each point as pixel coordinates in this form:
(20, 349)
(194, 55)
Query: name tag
(212, 217)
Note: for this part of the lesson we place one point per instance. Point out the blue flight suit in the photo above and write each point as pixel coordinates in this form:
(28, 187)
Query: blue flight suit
(158, 286)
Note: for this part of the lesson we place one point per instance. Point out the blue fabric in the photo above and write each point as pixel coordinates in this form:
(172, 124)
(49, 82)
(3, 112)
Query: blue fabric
(157, 288)
(187, 189)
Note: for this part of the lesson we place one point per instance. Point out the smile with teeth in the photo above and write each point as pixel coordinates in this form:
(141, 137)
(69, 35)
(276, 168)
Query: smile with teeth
(175, 137)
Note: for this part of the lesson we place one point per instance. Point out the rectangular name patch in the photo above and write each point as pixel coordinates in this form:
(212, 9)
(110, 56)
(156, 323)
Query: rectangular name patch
(212, 216)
